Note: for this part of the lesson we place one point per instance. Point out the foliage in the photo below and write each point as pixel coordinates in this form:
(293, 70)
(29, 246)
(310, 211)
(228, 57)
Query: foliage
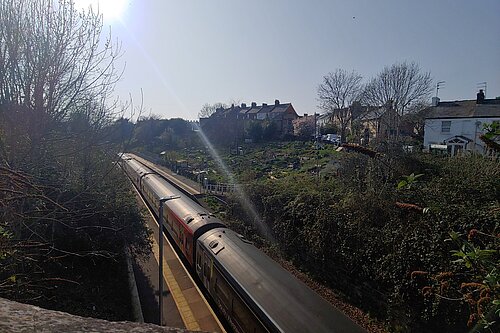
(305, 128)
(491, 135)
(474, 280)
(329, 129)
(408, 181)
(67, 213)
(348, 232)
(254, 131)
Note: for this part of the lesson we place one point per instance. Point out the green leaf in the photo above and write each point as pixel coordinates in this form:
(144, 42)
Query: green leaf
(402, 184)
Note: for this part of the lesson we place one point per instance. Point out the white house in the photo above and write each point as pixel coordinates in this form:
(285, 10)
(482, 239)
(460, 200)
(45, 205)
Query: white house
(456, 126)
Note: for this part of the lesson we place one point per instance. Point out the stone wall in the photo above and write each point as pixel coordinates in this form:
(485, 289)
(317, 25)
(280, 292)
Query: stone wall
(23, 318)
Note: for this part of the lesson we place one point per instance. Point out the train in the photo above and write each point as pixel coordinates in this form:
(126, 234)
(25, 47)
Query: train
(253, 292)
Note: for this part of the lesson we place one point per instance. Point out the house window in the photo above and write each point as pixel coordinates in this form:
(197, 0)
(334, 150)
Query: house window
(445, 126)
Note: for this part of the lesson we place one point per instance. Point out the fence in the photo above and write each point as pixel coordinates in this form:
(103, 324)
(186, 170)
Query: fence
(219, 188)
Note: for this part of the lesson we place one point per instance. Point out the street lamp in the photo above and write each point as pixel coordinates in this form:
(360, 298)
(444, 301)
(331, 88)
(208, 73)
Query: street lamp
(160, 235)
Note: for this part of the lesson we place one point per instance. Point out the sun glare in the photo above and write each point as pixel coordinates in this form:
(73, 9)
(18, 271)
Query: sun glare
(112, 10)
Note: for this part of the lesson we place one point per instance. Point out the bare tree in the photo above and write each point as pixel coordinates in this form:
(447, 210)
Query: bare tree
(208, 109)
(401, 84)
(59, 192)
(53, 62)
(338, 91)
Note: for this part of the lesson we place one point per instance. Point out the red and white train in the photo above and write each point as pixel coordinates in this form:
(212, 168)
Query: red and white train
(254, 293)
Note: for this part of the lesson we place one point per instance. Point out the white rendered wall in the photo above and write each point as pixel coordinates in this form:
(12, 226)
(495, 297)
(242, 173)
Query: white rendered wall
(471, 128)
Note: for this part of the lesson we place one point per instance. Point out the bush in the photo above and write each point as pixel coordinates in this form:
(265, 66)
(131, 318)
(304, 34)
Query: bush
(358, 233)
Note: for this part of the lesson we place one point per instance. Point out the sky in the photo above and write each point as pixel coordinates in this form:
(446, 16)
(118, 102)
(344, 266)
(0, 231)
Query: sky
(185, 53)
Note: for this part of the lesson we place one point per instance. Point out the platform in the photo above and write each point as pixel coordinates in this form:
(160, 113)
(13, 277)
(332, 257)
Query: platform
(184, 305)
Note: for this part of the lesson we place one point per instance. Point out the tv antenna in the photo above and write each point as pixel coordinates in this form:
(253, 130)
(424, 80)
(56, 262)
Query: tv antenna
(439, 85)
(482, 85)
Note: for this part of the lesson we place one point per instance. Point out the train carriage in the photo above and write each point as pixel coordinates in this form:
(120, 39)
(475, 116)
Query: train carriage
(254, 293)
(184, 219)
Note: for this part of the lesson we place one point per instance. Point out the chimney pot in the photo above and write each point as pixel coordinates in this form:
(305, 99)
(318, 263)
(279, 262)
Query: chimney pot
(276, 102)
(243, 105)
(305, 114)
(480, 97)
(254, 104)
(264, 104)
(435, 101)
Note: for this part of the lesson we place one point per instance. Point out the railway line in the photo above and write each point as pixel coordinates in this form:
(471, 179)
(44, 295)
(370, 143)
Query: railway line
(185, 304)
(253, 292)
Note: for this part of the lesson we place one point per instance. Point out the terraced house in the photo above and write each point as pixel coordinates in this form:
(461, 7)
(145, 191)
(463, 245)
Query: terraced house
(457, 126)
(233, 123)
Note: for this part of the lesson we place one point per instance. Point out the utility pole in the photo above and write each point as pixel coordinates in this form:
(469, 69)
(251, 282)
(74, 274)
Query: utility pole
(160, 268)
(316, 135)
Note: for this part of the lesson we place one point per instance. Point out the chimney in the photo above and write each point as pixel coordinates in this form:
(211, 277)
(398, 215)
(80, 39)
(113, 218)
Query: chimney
(232, 106)
(480, 97)
(243, 105)
(264, 104)
(254, 104)
(276, 102)
(435, 101)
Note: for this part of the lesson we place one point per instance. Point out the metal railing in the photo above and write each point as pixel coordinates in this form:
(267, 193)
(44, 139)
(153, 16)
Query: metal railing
(219, 188)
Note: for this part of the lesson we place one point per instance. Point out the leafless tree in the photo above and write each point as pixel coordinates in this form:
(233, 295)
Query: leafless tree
(54, 63)
(400, 88)
(338, 91)
(59, 192)
(208, 109)
(401, 84)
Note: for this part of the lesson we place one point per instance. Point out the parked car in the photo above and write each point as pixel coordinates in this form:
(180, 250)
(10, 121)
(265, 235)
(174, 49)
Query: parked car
(331, 138)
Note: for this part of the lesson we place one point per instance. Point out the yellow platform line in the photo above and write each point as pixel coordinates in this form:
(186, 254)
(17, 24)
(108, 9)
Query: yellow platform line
(183, 306)
(156, 254)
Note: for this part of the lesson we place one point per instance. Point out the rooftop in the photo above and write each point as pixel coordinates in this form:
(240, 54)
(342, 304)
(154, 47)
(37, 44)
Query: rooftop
(466, 109)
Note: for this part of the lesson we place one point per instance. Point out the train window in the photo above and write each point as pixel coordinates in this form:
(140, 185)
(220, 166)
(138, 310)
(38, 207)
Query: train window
(222, 289)
(244, 318)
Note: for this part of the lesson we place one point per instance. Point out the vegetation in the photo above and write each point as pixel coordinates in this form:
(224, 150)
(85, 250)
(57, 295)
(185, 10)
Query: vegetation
(67, 214)
(366, 227)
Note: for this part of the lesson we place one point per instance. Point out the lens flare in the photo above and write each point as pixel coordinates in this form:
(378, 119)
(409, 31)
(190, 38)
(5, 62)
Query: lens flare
(243, 197)
(111, 10)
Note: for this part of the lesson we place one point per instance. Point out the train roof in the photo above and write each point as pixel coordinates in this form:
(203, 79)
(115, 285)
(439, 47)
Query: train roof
(292, 305)
(195, 216)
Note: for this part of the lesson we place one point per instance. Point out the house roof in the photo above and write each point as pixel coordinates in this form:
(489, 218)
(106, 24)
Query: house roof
(244, 110)
(465, 109)
(254, 109)
(266, 108)
(272, 108)
(281, 107)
